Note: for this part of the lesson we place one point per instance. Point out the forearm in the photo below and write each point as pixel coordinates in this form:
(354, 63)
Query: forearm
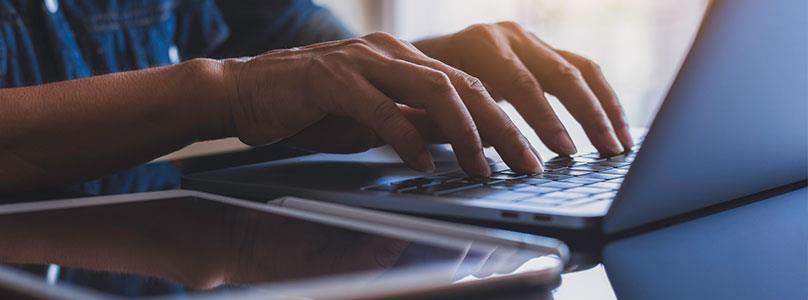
(75, 130)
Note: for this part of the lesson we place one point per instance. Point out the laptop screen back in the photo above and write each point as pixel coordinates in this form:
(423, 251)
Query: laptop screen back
(733, 123)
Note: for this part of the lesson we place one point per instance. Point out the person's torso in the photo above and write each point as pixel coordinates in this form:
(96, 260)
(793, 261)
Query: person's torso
(51, 40)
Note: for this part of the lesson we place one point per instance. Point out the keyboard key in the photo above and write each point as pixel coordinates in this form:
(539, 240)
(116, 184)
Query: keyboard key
(616, 180)
(602, 176)
(581, 159)
(424, 181)
(551, 176)
(568, 172)
(622, 158)
(533, 180)
(615, 171)
(561, 185)
(588, 190)
(613, 164)
(509, 172)
(488, 193)
(606, 185)
(537, 190)
(591, 155)
(483, 180)
(581, 180)
(506, 176)
(590, 168)
(508, 185)
(455, 174)
(561, 164)
(554, 167)
(558, 159)
(565, 195)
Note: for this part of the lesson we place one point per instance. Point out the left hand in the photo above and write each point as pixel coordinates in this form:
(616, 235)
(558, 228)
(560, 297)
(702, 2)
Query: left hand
(518, 66)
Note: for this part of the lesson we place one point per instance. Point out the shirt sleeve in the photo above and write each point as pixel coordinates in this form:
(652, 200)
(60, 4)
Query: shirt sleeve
(257, 26)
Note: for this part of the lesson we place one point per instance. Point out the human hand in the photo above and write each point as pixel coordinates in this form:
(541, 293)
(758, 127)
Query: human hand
(376, 81)
(520, 67)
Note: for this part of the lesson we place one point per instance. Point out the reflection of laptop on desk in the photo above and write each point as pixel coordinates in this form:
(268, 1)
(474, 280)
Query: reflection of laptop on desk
(732, 125)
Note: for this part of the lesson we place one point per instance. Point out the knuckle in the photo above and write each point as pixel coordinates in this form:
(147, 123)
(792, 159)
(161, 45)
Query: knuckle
(475, 84)
(480, 30)
(438, 80)
(524, 81)
(355, 41)
(380, 37)
(568, 72)
(591, 66)
(362, 48)
(385, 112)
(510, 25)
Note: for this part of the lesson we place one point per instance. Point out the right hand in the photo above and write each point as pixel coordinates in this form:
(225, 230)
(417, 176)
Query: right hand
(377, 81)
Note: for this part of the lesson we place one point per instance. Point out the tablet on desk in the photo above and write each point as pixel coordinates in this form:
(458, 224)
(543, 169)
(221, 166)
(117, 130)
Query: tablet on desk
(183, 244)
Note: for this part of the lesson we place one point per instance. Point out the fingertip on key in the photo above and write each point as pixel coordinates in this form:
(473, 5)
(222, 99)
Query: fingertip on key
(425, 162)
(565, 144)
(532, 160)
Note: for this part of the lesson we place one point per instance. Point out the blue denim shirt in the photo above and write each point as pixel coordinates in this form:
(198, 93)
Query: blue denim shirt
(44, 41)
(51, 40)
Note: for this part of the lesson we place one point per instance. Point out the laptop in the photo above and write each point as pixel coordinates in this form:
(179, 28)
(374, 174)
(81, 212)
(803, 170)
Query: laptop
(733, 124)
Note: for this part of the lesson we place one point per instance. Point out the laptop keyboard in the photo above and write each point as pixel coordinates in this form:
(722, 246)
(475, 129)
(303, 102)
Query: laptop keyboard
(566, 181)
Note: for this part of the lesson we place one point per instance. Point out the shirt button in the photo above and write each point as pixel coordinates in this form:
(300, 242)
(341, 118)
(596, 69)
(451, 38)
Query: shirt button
(52, 6)
(173, 54)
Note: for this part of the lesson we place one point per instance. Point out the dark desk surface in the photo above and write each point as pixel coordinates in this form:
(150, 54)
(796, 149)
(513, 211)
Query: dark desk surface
(759, 250)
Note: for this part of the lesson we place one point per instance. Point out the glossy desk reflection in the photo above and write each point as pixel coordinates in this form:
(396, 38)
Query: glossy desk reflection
(162, 247)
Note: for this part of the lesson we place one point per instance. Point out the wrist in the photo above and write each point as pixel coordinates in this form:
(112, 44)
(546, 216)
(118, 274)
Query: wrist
(210, 92)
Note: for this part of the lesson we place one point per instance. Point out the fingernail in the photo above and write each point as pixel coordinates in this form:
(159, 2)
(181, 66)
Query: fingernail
(482, 168)
(532, 157)
(614, 144)
(425, 163)
(625, 138)
(565, 142)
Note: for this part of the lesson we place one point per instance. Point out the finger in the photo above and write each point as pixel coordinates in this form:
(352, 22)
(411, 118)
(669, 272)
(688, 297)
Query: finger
(606, 95)
(425, 125)
(381, 114)
(423, 87)
(562, 79)
(493, 124)
(511, 78)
